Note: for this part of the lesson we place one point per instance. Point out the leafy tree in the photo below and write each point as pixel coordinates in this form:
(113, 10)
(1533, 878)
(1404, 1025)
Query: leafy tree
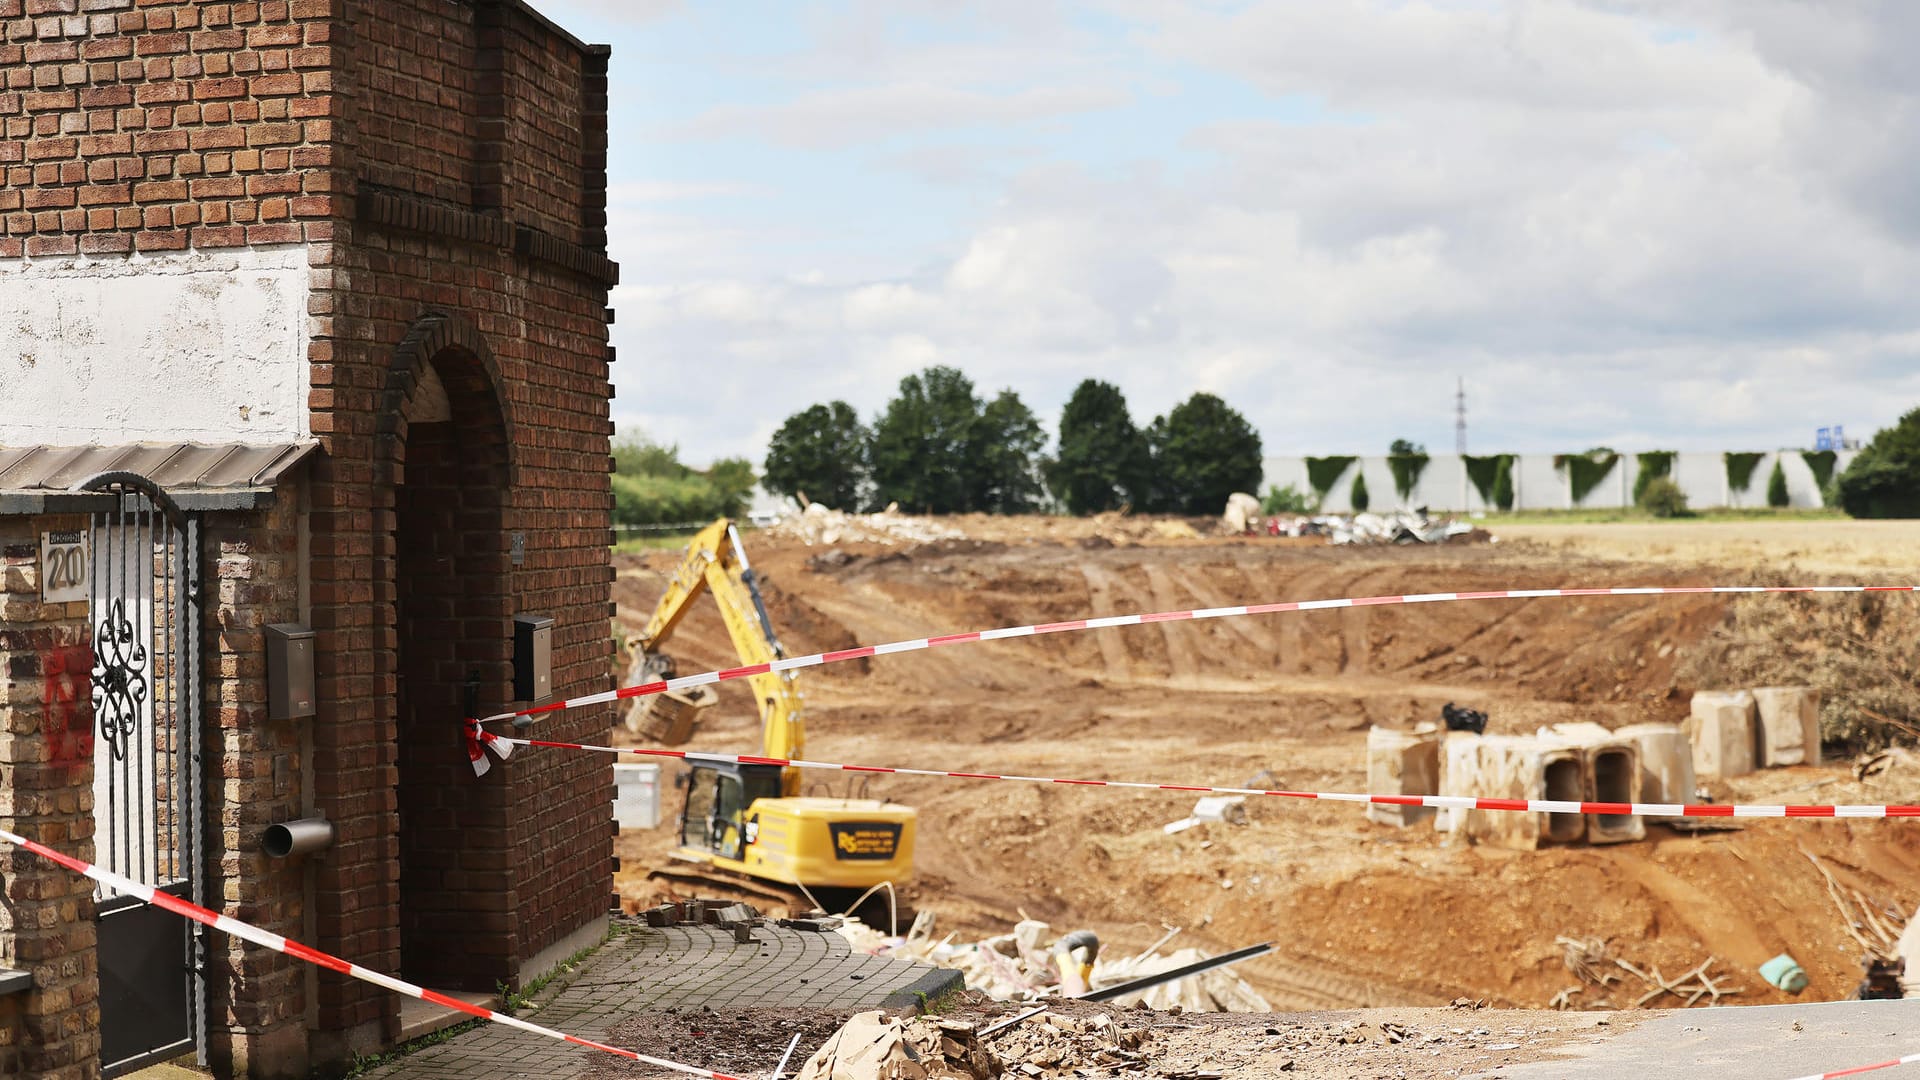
(1406, 448)
(732, 481)
(1777, 487)
(1005, 444)
(1358, 496)
(1503, 483)
(1101, 461)
(1884, 480)
(637, 455)
(922, 444)
(822, 451)
(1203, 451)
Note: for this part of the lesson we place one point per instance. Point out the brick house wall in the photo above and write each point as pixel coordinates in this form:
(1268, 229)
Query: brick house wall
(442, 165)
(46, 794)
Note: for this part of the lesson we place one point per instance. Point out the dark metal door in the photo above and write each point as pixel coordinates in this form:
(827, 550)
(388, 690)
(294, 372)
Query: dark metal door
(144, 592)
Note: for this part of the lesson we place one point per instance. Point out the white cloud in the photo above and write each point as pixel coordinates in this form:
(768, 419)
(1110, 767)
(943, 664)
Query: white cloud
(1687, 225)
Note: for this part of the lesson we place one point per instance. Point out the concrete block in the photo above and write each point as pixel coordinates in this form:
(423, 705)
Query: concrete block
(1789, 726)
(1510, 767)
(1721, 731)
(1402, 763)
(1609, 772)
(1666, 762)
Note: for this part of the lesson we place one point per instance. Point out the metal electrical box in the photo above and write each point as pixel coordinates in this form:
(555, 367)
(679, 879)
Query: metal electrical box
(532, 657)
(289, 671)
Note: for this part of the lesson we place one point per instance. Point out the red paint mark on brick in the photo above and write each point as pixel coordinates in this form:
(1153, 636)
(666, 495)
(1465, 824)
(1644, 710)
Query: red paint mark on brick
(66, 717)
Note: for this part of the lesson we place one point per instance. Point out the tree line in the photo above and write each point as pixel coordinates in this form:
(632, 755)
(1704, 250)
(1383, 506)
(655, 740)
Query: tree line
(939, 447)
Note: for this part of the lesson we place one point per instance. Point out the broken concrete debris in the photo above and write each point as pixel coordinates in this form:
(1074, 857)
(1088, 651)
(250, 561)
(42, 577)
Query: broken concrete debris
(875, 1046)
(1231, 809)
(819, 524)
(1020, 966)
(1399, 527)
(1242, 514)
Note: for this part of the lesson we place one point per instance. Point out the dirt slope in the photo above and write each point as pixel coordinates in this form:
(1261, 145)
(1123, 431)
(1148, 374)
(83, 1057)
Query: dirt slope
(1361, 914)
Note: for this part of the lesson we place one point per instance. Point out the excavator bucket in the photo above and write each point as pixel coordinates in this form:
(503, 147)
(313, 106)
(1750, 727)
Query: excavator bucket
(669, 719)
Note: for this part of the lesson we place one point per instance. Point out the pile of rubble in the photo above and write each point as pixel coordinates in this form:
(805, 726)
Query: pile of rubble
(1398, 527)
(822, 525)
(875, 1046)
(1019, 967)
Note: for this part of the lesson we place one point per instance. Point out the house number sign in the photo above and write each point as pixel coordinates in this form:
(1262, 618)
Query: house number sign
(63, 567)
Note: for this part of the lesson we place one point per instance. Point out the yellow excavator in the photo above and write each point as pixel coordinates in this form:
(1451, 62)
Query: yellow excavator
(751, 820)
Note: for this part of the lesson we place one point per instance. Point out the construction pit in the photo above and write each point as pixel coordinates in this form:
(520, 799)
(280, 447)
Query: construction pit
(1362, 913)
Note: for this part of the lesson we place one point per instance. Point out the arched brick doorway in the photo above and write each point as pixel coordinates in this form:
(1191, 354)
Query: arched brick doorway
(452, 612)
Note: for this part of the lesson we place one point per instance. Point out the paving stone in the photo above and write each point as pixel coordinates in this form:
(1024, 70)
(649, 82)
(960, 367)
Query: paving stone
(647, 968)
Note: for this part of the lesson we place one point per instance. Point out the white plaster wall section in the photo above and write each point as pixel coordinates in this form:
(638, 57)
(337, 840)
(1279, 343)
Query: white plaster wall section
(205, 346)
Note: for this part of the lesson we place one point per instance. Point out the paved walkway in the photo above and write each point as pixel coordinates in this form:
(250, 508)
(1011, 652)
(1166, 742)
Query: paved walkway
(1766, 1042)
(643, 969)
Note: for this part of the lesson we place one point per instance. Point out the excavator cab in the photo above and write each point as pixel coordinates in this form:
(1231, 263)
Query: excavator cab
(714, 818)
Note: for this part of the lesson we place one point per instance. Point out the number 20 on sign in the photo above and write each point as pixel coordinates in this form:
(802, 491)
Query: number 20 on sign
(63, 567)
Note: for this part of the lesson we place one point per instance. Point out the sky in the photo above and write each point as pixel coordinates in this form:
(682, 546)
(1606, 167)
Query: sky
(1648, 224)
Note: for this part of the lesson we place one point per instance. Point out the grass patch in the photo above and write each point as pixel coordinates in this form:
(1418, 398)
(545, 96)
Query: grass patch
(1635, 515)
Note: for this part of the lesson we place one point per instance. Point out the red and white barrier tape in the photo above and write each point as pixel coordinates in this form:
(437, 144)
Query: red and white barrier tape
(1074, 625)
(504, 744)
(250, 932)
(1858, 1069)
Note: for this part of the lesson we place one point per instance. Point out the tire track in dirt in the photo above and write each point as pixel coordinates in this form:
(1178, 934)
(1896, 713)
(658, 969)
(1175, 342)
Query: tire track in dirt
(1252, 631)
(1183, 661)
(1113, 651)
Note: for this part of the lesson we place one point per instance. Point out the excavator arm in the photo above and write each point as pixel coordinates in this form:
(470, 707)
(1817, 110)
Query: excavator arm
(717, 563)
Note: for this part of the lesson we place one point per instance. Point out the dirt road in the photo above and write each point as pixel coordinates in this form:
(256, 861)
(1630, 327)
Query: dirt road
(1361, 914)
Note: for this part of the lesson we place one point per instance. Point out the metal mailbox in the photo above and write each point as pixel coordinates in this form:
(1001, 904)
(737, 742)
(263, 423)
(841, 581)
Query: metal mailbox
(289, 671)
(532, 657)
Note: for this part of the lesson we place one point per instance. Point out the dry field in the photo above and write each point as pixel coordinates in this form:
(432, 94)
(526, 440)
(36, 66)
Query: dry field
(1361, 914)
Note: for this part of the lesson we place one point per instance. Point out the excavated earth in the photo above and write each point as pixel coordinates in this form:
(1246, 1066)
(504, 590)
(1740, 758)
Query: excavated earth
(1360, 914)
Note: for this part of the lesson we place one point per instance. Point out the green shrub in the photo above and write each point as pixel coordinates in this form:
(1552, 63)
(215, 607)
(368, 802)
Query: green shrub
(1503, 484)
(1654, 464)
(1663, 498)
(1286, 500)
(1358, 497)
(1777, 487)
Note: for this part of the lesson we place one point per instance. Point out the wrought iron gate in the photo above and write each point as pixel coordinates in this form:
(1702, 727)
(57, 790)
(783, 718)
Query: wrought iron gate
(147, 807)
